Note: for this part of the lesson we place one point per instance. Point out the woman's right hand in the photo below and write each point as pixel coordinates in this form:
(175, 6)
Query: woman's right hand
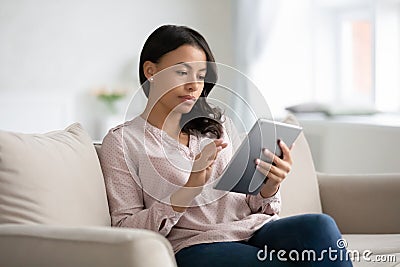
(203, 163)
(199, 176)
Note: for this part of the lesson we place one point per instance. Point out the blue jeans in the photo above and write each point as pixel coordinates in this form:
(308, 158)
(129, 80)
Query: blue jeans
(296, 238)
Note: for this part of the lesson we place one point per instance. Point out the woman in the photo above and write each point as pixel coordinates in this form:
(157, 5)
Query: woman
(159, 168)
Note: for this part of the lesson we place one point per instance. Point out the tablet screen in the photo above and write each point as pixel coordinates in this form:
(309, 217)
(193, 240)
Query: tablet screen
(241, 175)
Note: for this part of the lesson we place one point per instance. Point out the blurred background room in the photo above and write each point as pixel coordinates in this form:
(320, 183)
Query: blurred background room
(334, 63)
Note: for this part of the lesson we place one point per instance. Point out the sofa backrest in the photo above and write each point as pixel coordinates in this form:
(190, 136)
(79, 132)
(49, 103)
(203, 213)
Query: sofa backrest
(51, 178)
(299, 191)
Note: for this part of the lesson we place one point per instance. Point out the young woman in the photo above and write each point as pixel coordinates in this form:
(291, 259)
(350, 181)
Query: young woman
(159, 170)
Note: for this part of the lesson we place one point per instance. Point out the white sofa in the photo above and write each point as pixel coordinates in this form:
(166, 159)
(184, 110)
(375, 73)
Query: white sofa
(53, 206)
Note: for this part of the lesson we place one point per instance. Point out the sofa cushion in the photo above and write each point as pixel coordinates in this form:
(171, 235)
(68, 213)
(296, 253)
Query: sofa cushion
(51, 178)
(378, 250)
(299, 191)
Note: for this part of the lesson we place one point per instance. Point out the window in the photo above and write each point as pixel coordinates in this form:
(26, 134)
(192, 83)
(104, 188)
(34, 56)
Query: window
(357, 58)
(340, 52)
(356, 61)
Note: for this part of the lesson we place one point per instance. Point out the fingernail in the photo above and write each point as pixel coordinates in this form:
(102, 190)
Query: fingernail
(257, 161)
(283, 143)
(265, 150)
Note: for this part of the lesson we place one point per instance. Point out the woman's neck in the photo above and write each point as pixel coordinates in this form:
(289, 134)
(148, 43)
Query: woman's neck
(169, 122)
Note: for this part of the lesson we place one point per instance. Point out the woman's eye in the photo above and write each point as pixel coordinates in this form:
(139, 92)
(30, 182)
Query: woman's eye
(202, 77)
(181, 72)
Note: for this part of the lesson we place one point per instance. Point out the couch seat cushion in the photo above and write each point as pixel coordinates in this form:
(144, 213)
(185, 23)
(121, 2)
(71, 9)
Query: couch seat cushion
(381, 245)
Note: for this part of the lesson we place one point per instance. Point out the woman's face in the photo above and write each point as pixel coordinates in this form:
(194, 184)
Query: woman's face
(177, 79)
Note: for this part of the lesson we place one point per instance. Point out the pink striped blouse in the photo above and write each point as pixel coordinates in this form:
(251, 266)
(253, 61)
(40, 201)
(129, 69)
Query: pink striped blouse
(143, 166)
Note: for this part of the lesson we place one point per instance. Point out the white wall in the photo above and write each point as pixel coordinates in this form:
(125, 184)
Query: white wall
(57, 52)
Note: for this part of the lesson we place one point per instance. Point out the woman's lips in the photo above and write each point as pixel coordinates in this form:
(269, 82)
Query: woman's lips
(187, 98)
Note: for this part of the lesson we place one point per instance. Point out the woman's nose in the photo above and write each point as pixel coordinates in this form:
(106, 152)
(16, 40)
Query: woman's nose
(193, 86)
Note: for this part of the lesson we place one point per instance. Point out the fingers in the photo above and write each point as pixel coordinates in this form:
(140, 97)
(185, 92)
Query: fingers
(279, 168)
(274, 178)
(213, 148)
(284, 164)
(286, 151)
(208, 154)
(271, 171)
(286, 159)
(220, 143)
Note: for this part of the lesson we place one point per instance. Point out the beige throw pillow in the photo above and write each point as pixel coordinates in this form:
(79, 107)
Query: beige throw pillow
(51, 178)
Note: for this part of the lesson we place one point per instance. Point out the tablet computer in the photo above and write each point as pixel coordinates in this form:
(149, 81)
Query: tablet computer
(241, 175)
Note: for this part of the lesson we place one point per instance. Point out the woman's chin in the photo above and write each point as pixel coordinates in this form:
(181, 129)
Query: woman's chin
(184, 108)
(185, 111)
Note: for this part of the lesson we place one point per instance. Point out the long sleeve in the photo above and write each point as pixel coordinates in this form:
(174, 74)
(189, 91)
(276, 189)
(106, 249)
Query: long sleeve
(125, 194)
(270, 205)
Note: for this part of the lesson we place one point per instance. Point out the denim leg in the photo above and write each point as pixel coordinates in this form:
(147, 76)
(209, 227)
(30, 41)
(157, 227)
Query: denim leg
(225, 254)
(316, 232)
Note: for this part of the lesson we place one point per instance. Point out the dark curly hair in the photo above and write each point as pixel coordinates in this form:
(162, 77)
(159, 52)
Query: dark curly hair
(202, 119)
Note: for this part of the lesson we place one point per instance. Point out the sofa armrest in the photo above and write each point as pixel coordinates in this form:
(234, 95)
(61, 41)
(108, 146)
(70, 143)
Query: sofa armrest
(362, 204)
(42, 245)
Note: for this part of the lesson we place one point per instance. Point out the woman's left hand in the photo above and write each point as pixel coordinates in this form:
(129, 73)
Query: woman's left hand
(275, 173)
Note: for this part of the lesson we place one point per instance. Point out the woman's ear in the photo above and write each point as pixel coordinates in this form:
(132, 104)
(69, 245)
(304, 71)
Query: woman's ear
(149, 69)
